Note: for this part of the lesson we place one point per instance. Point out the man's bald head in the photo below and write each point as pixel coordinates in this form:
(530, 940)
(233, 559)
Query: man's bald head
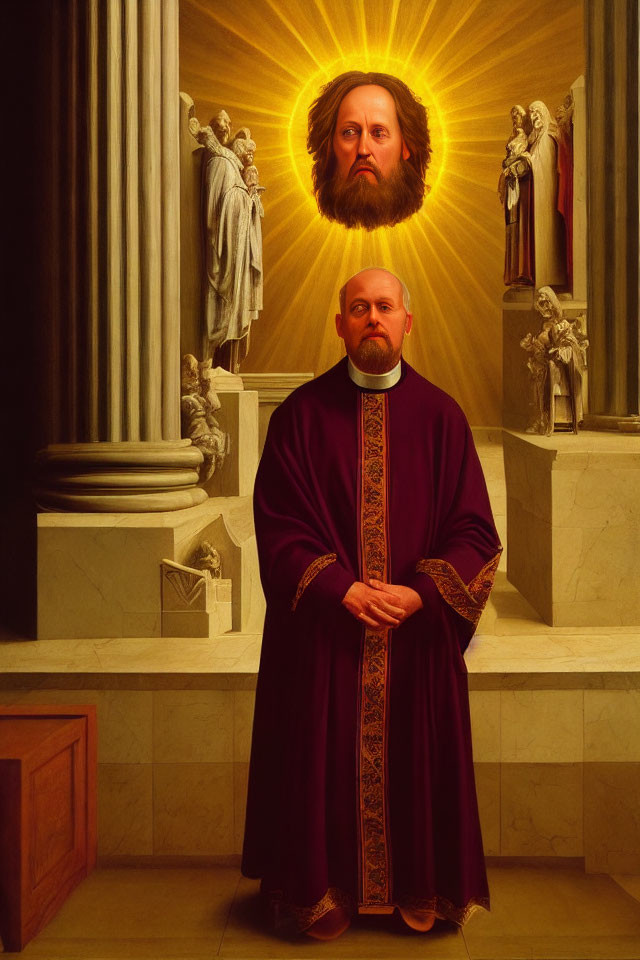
(406, 298)
(374, 319)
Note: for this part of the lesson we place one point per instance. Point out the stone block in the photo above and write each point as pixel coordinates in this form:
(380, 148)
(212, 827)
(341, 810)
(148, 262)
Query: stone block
(573, 521)
(518, 318)
(612, 725)
(192, 726)
(485, 725)
(541, 726)
(237, 416)
(99, 574)
(240, 788)
(487, 777)
(95, 571)
(541, 810)
(125, 826)
(612, 817)
(193, 810)
(243, 708)
(272, 389)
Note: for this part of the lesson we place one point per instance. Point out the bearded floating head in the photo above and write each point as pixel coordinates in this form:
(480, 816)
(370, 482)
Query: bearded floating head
(385, 197)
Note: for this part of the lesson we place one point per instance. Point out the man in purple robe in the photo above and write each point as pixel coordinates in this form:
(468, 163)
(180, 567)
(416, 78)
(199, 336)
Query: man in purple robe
(377, 553)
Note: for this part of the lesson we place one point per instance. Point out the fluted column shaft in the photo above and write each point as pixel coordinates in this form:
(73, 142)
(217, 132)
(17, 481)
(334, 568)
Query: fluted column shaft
(114, 334)
(613, 212)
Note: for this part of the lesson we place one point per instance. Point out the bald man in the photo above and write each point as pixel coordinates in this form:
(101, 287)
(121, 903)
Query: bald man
(377, 554)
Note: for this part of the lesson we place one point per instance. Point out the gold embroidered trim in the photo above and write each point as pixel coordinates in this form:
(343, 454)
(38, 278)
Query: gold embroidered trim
(444, 909)
(304, 917)
(375, 861)
(310, 573)
(467, 600)
(374, 487)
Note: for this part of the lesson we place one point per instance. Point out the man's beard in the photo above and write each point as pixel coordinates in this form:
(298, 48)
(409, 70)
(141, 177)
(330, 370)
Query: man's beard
(372, 356)
(356, 202)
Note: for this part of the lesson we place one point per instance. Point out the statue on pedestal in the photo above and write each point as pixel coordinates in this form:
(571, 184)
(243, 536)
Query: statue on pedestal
(557, 362)
(549, 247)
(232, 240)
(528, 189)
(515, 193)
(198, 405)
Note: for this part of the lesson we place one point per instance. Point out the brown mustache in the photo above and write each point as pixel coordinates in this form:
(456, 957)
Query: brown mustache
(380, 333)
(364, 165)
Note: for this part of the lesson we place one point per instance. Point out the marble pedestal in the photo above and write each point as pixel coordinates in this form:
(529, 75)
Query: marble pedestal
(99, 575)
(272, 389)
(237, 416)
(573, 521)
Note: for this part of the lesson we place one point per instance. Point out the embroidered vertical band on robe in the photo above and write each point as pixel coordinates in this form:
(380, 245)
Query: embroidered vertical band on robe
(361, 788)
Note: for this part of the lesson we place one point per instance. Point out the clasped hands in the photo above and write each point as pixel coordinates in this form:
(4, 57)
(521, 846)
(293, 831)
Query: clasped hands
(381, 605)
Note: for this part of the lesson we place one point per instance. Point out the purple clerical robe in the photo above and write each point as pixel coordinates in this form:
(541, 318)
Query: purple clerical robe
(361, 786)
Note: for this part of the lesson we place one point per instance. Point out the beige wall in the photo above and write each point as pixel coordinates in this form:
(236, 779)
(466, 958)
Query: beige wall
(470, 63)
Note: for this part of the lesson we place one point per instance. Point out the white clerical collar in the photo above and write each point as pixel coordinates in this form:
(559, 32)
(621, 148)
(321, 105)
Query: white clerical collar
(374, 381)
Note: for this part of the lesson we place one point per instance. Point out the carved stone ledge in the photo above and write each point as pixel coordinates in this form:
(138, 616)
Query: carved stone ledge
(194, 604)
(602, 421)
(274, 387)
(119, 477)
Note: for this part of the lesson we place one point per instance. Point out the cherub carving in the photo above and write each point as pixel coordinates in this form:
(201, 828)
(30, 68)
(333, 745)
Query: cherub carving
(206, 558)
(198, 405)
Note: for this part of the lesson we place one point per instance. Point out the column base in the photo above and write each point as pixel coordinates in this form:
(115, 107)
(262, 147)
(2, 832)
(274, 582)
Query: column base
(124, 477)
(601, 421)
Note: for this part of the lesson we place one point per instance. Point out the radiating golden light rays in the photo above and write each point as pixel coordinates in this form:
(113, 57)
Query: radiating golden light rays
(448, 40)
(265, 61)
(420, 33)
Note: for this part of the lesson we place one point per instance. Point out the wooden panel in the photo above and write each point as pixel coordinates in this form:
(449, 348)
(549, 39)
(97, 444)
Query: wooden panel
(53, 813)
(47, 813)
(19, 740)
(10, 864)
(88, 712)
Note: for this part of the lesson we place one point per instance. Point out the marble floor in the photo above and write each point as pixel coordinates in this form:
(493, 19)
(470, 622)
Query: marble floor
(537, 912)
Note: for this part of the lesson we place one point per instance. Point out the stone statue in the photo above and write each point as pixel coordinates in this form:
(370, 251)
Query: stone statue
(221, 126)
(548, 227)
(198, 405)
(557, 363)
(232, 241)
(528, 188)
(207, 558)
(514, 191)
(564, 122)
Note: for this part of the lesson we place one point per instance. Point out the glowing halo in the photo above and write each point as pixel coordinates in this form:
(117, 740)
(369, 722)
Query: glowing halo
(469, 61)
(297, 129)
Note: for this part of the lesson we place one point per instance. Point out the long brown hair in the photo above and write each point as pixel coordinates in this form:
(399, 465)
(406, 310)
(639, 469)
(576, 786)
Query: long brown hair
(323, 113)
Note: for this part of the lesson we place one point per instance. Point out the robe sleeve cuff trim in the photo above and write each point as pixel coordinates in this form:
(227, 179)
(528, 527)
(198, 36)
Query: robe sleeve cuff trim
(310, 573)
(466, 599)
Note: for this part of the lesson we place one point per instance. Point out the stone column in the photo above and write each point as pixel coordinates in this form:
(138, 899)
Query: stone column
(114, 326)
(612, 162)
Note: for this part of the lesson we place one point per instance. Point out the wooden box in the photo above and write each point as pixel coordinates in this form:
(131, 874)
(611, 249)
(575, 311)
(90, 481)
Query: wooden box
(47, 813)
